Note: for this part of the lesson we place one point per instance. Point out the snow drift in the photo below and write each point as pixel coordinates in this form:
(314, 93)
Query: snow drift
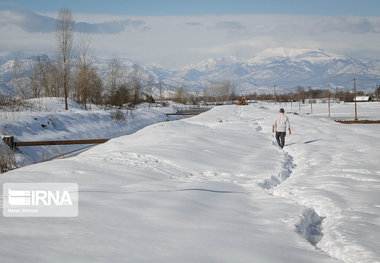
(189, 191)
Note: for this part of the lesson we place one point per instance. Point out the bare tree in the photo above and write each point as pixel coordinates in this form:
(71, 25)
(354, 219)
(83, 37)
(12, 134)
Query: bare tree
(19, 79)
(148, 90)
(35, 81)
(114, 75)
(55, 81)
(219, 91)
(83, 72)
(196, 98)
(39, 81)
(47, 74)
(96, 84)
(181, 95)
(64, 34)
(227, 90)
(135, 84)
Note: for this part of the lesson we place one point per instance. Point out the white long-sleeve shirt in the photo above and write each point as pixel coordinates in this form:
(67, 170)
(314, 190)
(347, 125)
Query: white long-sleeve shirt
(281, 123)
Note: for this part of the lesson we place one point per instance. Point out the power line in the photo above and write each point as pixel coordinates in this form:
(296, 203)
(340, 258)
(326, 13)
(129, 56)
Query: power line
(369, 79)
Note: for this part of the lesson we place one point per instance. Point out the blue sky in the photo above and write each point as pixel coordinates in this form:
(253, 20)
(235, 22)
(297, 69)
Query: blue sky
(196, 7)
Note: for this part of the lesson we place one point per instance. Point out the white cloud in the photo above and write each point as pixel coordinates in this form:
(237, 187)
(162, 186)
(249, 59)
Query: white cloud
(32, 22)
(230, 25)
(4, 3)
(179, 40)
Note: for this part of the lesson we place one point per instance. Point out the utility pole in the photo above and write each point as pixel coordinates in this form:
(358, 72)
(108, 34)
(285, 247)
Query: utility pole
(311, 100)
(275, 99)
(356, 111)
(299, 101)
(329, 98)
(291, 102)
(160, 86)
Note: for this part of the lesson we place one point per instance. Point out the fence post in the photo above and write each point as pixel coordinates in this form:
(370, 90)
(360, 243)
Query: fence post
(329, 98)
(9, 140)
(311, 100)
(356, 110)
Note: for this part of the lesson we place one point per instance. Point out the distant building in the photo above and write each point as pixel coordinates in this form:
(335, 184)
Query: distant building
(362, 99)
(326, 100)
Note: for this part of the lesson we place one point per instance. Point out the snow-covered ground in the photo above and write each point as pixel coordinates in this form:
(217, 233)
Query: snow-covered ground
(215, 188)
(46, 119)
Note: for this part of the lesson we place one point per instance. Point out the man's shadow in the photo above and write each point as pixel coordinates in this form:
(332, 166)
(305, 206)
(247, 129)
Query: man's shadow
(307, 142)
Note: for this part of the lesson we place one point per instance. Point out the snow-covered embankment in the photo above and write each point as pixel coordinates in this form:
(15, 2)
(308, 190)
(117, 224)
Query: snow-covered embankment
(47, 120)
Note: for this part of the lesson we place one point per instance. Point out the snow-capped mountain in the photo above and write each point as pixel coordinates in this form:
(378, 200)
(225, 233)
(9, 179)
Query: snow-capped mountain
(285, 68)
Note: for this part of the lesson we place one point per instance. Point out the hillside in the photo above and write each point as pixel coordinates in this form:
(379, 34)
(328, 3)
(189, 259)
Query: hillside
(45, 119)
(286, 68)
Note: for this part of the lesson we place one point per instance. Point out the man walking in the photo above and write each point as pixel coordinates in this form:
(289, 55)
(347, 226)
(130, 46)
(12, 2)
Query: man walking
(280, 123)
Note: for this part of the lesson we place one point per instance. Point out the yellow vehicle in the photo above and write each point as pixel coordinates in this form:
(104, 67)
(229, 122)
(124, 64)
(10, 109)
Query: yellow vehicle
(242, 101)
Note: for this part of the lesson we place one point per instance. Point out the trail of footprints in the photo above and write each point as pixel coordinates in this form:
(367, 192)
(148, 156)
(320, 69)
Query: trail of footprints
(310, 223)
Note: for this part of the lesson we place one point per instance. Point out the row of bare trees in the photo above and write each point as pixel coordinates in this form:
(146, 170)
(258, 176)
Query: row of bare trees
(114, 84)
(303, 94)
(72, 73)
(222, 91)
(214, 92)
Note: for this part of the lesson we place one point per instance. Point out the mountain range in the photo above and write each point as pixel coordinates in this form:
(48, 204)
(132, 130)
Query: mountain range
(285, 68)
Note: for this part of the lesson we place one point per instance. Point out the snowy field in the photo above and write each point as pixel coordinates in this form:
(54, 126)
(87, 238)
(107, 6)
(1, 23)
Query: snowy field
(215, 188)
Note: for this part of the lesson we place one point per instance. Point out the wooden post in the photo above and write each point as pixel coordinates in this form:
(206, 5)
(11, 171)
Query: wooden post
(329, 98)
(311, 100)
(299, 101)
(9, 140)
(275, 99)
(160, 86)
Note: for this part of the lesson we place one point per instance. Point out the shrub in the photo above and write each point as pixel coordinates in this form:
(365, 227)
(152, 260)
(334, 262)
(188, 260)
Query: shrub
(117, 115)
(7, 159)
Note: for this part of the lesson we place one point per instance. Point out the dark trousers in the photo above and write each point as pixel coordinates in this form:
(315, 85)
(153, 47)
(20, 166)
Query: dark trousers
(280, 138)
